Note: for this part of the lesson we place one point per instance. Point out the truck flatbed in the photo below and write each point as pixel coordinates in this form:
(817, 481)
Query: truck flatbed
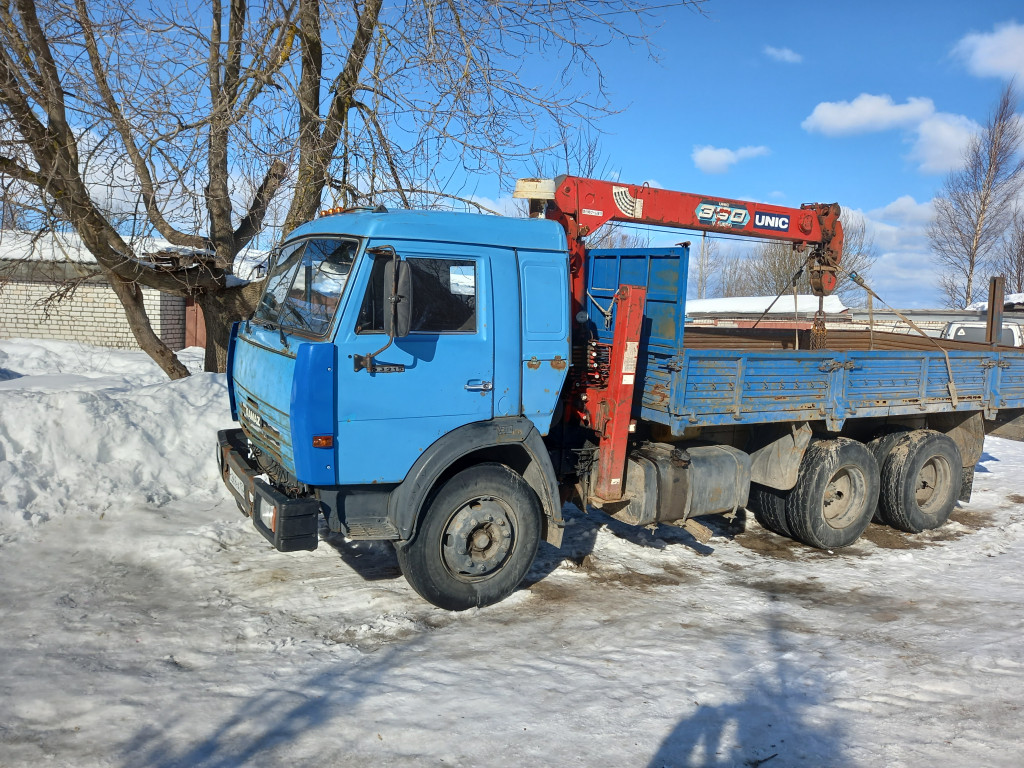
(695, 376)
(703, 387)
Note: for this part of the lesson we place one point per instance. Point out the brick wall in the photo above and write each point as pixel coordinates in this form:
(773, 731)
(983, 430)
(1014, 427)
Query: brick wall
(93, 315)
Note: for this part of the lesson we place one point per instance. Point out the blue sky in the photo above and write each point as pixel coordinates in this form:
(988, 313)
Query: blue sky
(867, 104)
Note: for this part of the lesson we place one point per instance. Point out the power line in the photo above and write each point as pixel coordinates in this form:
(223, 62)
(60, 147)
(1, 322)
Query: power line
(676, 230)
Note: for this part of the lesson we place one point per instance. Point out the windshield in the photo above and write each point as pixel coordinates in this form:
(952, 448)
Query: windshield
(306, 283)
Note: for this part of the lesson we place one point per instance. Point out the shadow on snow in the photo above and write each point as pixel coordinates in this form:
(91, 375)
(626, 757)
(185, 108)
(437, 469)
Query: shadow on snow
(767, 723)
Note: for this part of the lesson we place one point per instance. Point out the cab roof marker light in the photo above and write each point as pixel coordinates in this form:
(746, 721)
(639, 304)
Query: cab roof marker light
(352, 209)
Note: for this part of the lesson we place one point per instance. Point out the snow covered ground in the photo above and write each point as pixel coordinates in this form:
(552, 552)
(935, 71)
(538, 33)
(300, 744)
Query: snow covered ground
(143, 622)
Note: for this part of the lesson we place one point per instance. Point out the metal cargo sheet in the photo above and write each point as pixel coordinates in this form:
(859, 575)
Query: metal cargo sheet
(721, 387)
(662, 271)
(1011, 380)
(732, 386)
(881, 379)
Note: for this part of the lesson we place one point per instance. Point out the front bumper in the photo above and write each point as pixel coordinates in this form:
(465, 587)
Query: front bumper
(289, 524)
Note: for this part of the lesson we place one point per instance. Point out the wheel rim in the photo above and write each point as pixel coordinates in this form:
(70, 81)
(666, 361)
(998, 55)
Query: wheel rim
(932, 484)
(478, 538)
(844, 497)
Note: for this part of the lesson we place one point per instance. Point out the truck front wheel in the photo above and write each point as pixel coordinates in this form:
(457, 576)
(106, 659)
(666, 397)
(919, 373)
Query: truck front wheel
(835, 495)
(920, 481)
(476, 539)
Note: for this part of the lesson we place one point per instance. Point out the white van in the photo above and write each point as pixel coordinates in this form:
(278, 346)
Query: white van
(957, 331)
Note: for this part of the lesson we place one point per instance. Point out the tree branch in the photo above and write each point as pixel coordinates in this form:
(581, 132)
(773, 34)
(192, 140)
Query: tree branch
(124, 130)
(253, 220)
(385, 146)
(26, 121)
(316, 145)
(53, 94)
(11, 167)
(233, 60)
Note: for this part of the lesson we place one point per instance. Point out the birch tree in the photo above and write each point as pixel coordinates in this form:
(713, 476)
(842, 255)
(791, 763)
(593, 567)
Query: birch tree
(976, 205)
(1010, 256)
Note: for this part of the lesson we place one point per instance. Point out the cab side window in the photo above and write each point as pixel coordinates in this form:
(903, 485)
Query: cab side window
(444, 297)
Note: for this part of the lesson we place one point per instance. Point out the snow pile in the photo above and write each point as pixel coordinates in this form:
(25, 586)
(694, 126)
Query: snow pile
(84, 429)
(758, 304)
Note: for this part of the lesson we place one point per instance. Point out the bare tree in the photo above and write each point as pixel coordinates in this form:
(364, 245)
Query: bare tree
(705, 265)
(1010, 257)
(12, 204)
(770, 269)
(731, 275)
(203, 122)
(579, 154)
(975, 209)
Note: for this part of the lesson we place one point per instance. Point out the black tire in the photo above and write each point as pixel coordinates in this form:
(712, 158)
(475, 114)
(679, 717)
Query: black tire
(769, 508)
(880, 448)
(835, 495)
(920, 481)
(476, 539)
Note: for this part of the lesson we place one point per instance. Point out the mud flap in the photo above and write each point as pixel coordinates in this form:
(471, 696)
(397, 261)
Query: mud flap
(966, 484)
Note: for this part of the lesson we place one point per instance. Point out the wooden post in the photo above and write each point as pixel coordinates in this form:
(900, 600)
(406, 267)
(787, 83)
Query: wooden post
(996, 297)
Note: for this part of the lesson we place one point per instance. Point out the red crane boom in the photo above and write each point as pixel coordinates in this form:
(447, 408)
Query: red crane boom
(582, 205)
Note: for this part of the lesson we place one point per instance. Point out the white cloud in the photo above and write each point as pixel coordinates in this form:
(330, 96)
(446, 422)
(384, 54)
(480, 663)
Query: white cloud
(901, 226)
(904, 210)
(786, 55)
(717, 160)
(904, 273)
(905, 279)
(866, 113)
(999, 53)
(941, 140)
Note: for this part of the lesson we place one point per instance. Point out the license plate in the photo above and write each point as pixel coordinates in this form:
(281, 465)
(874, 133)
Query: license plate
(237, 484)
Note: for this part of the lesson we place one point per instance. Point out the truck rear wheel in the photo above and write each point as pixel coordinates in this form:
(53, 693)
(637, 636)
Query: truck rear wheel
(769, 508)
(476, 539)
(920, 481)
(835, 495)
(880, 447)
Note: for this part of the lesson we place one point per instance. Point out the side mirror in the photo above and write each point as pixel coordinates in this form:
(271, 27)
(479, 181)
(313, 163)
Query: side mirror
(397, 298)
(397, 309)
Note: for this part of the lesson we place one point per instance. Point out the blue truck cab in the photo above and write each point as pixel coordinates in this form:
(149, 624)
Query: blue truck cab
(475, 380)
(425, 378)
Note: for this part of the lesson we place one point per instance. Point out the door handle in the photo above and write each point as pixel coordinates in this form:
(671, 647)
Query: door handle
(475, 385)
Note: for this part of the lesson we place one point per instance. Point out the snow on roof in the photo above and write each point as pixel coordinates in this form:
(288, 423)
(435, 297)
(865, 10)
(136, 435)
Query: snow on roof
(16, 245)
(42, 246)
(1010, 298)
(758, 304)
